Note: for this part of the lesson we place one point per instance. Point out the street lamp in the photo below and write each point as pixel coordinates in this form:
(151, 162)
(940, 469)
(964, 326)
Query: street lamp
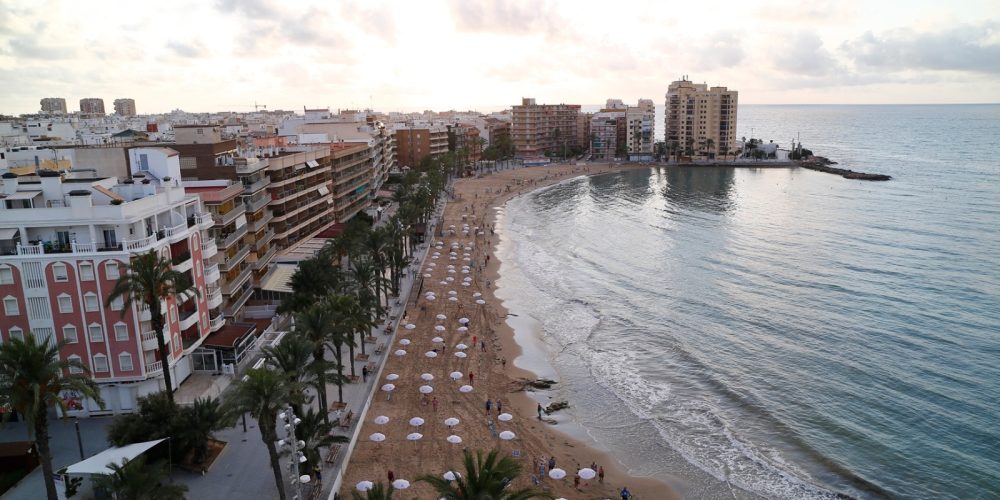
(296, 448)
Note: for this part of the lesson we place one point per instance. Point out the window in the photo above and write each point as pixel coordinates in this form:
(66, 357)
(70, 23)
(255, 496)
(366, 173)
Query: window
(16, 333)
(96, 333)
(143, 162)
(42, 335)
(65, 303)
(6, 276)
(125, 362)
(90, 303)
(100, 363)
(69, 334)
(118, 304)
(112, 269)
(73, 359)
(121, 331)
(10, 306)
(86, 272)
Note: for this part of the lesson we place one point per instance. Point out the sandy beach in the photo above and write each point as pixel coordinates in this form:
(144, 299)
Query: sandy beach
(490, 341)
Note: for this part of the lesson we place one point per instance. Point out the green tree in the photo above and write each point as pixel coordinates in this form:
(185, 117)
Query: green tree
(485, 478)
(342, 311)
(148, 280)
(315, 432)
(197, 424)
(315, 325)
(378, 491)
(263, 393)
(32, 380)
(137, 480)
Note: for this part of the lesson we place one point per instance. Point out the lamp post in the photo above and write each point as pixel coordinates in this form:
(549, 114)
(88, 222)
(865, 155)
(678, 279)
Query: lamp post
(296, 448)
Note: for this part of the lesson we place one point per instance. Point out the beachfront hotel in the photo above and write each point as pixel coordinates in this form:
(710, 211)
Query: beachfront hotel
(66, 237)
(696, 113)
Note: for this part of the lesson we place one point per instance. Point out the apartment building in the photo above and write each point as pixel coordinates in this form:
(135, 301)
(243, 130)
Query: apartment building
(351, 168)
(540, 129)
(464, 138)
(583, 129)
(53, 105)
(604, 134)
(125, 107)
(696, 113)
(300, 192)
(65, 238)
(497, 130)
(414, 142)
(640, 130)
(92, 106)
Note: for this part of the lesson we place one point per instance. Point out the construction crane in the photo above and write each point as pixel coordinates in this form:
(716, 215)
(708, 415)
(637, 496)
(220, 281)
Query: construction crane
(256, 107)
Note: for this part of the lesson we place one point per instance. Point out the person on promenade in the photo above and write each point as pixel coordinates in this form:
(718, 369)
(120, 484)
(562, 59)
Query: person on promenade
(489, 406)
(600, 474)
(364, 374)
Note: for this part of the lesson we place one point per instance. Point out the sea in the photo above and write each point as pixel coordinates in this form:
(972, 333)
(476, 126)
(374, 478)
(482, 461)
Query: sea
(779, 332)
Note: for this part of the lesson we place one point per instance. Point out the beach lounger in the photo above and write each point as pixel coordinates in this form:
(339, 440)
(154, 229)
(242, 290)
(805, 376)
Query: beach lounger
(345, 421)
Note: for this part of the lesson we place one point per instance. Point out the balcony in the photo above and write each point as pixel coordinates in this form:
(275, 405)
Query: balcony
(232, 237)
(176, 233)
(208, 249)
(268, 236)
(235, 285)
(149, 341)
(213, 297)
(262, 222)
(157, 366)
(255, 205)
(226, 218)
(230, 263)
(239, 302)
(204, 220)
(212, 274)
(217, 323)
(182, 263)
(188, 318)
(263, 260)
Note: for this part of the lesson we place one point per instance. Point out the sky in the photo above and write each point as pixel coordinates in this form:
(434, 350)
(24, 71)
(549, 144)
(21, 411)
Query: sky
(213, 55)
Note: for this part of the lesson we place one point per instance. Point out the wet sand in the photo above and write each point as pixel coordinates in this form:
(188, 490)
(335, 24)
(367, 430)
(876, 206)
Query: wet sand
(473, 204)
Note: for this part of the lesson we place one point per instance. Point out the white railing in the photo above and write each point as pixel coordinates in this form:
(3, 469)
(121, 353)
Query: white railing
(139, 244)
(154, 367)
(212, 273)
(84, 247)
(175, 230)
(232, 262)
(30, 249)
(218, 322)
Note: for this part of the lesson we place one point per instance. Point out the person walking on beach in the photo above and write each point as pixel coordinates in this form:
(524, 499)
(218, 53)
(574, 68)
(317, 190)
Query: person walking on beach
(539, 411)
(472, 378)
(626, 494)
(503, 362)
(552, 463)
(482, 343)
(576, 482)
(499, 406)
(600, 474)
(434, 403)
(392, 476)
(489, 406)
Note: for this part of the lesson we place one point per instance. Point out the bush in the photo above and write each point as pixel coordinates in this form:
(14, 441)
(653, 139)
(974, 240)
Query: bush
(190, 427)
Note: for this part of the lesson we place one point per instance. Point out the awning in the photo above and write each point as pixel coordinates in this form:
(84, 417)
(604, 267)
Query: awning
(97, 465)
(241, 221)
(279, 279)
(22, 195)
(323, 190)
(8, 233)
(312, 163)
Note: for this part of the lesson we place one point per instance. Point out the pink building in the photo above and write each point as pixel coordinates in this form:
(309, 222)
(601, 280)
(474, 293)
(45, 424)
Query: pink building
(64, 240)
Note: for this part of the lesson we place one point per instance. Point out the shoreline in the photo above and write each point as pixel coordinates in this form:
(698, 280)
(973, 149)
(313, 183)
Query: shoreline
(431, 454)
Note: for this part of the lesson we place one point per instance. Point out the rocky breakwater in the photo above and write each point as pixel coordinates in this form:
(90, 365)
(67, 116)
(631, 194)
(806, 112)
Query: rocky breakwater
(822, 164)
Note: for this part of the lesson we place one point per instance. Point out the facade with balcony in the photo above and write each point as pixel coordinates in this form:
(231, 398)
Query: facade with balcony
(65, 238)
(301, 202)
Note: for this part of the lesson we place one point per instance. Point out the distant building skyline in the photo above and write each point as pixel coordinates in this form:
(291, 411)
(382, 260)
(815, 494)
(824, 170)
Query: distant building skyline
(229, 55)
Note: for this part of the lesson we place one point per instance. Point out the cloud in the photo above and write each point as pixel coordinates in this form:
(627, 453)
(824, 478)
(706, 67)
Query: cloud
(722, 49)
(804, 53)
(250, 8)
(973, 48)
(191, 49)
(29, 48)
(507, 17)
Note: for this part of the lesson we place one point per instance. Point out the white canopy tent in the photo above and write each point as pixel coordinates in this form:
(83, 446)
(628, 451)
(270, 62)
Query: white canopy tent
(97, 465)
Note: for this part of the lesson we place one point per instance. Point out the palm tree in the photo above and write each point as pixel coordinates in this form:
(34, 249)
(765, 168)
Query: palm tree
(294, 358)
(316, 433)
(485, 477)
(32, 379)
(342, 311)
(263, 393)
(378, 491)
(709, 145)
(197, 423)
(315, 325)
(149, 280)
(135, 480)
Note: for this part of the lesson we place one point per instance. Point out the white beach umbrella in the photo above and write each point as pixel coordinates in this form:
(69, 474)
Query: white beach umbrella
(414, 436)
(392, 376)
(451, 475)
(557, 473)
(447, 280)
(416, 421)
(377, 437)
(452, 292)
(587, 473)
(505, 417)
(431, 354)
(460, 354)
(443, 282)
(426, 389)
(410, 326)
(430, 297)
(453, 299)
(453, 439)
(400, 352)
(461, 347)
(441, 317)
(480, 301)
(400, 484)
(436, 253)
(465, 388)
(455, 375)
(466, 284)
(452, 253)
(439, 328)
(388, 387)
(477, 294)
(507, 435)
(467, 279)
(437, 339)
(364, 485)
(381, 420)
(426, 376)
(464, 321)
(434, 257)
(427, 275)
(404, 342)
(451, 422)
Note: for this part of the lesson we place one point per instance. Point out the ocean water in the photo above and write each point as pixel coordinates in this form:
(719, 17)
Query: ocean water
(782, 333)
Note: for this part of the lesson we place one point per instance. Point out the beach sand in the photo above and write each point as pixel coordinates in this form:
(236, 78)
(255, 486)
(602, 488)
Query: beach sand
(535, 439)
